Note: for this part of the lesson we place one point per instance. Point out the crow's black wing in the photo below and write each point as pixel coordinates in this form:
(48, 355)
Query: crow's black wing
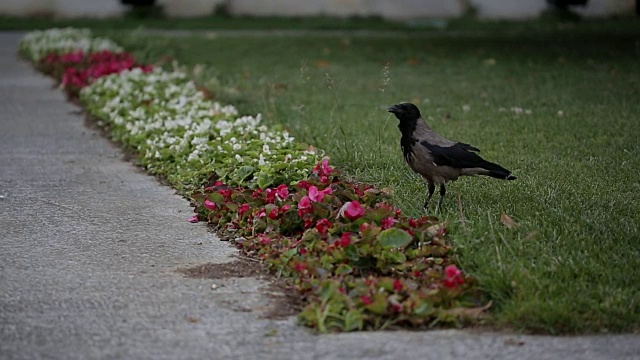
(468, 147)
(459, 155)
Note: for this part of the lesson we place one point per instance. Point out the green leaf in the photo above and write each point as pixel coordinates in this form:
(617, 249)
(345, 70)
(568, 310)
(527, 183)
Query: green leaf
(379, 304)
(231, 206)
(395, 257)
(244, 172)
(216, 197)
(424, 309)
(343, 269)
(394, 238)
(264, 180)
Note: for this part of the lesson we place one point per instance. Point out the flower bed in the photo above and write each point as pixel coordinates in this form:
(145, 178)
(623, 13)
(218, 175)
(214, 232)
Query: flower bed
(356, 261)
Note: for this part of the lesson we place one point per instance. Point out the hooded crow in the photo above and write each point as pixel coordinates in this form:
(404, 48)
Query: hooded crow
(436, 159)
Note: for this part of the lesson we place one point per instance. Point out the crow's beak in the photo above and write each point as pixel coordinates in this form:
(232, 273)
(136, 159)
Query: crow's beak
(392, 109)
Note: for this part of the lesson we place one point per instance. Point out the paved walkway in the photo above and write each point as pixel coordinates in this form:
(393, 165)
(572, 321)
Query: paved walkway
(89, 246)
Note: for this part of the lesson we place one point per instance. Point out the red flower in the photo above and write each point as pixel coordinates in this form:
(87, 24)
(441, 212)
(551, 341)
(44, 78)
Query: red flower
(364, 227)
(303, 251)
(353, 210)
(257, 194)
(305, 203)
(345, 239)
(323, 226)
(226, 193)
(412, 222)
(308, 223)
(243, 209)
(286, 208)
(72, 57)
(300, 267)
(304, 184)
(271, 196)
(210, 204)
(453, 276)
(262, 213)
(274, 214)
(282, 191)
(388, 222)
(398, 285)
(264, 239)
(367, 300)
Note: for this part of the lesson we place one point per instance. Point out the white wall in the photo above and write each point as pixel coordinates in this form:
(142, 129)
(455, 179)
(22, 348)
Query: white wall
(391, 9)
(189, 8)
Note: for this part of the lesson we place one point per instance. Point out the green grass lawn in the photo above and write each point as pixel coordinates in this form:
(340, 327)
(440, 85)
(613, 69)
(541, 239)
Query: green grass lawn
(573, 264)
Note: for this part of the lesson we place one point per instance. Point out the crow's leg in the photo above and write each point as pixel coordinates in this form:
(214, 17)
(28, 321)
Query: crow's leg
(443, 191)
(432, 188)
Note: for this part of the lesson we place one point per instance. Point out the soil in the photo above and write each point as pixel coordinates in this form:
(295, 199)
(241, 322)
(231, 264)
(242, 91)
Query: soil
(285, 301)
(237, 269)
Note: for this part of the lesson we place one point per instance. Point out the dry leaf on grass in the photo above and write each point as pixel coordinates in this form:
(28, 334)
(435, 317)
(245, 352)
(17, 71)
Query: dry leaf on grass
(508, 221)
(470, 313)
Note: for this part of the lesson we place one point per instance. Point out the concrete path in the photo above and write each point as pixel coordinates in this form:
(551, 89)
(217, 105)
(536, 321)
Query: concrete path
(89, 246)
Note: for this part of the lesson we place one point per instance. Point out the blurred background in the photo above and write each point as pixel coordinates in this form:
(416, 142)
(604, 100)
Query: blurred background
(386, 9)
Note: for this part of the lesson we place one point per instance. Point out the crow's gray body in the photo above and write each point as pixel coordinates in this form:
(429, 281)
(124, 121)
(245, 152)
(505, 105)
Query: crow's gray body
(437, 159)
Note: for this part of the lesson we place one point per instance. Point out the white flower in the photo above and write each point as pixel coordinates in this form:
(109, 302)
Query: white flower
(237, 146)
(194, 155)
(239, 158)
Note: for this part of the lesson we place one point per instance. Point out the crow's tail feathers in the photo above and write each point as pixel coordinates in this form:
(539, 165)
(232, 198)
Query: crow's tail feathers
(497, 171)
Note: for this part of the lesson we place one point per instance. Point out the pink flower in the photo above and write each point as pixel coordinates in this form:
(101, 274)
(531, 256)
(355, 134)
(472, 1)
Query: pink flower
(193, 219)
(282, 191)
(345, 239)
(323, 168)
(366, 300)
(146, 68)
(323, 226)
(317, 196)
(364, 227)
(388, 222)
(452, 271)
(210, 204)
(262, 213)
(305, 203)
(264, 239)
(314, 195)
(354, 210)
(73, 57)
(286, 208)
(453, 276)
(243, 209)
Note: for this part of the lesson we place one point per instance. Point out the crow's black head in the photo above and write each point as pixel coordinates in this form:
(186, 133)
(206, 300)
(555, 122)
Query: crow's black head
(406, 112)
